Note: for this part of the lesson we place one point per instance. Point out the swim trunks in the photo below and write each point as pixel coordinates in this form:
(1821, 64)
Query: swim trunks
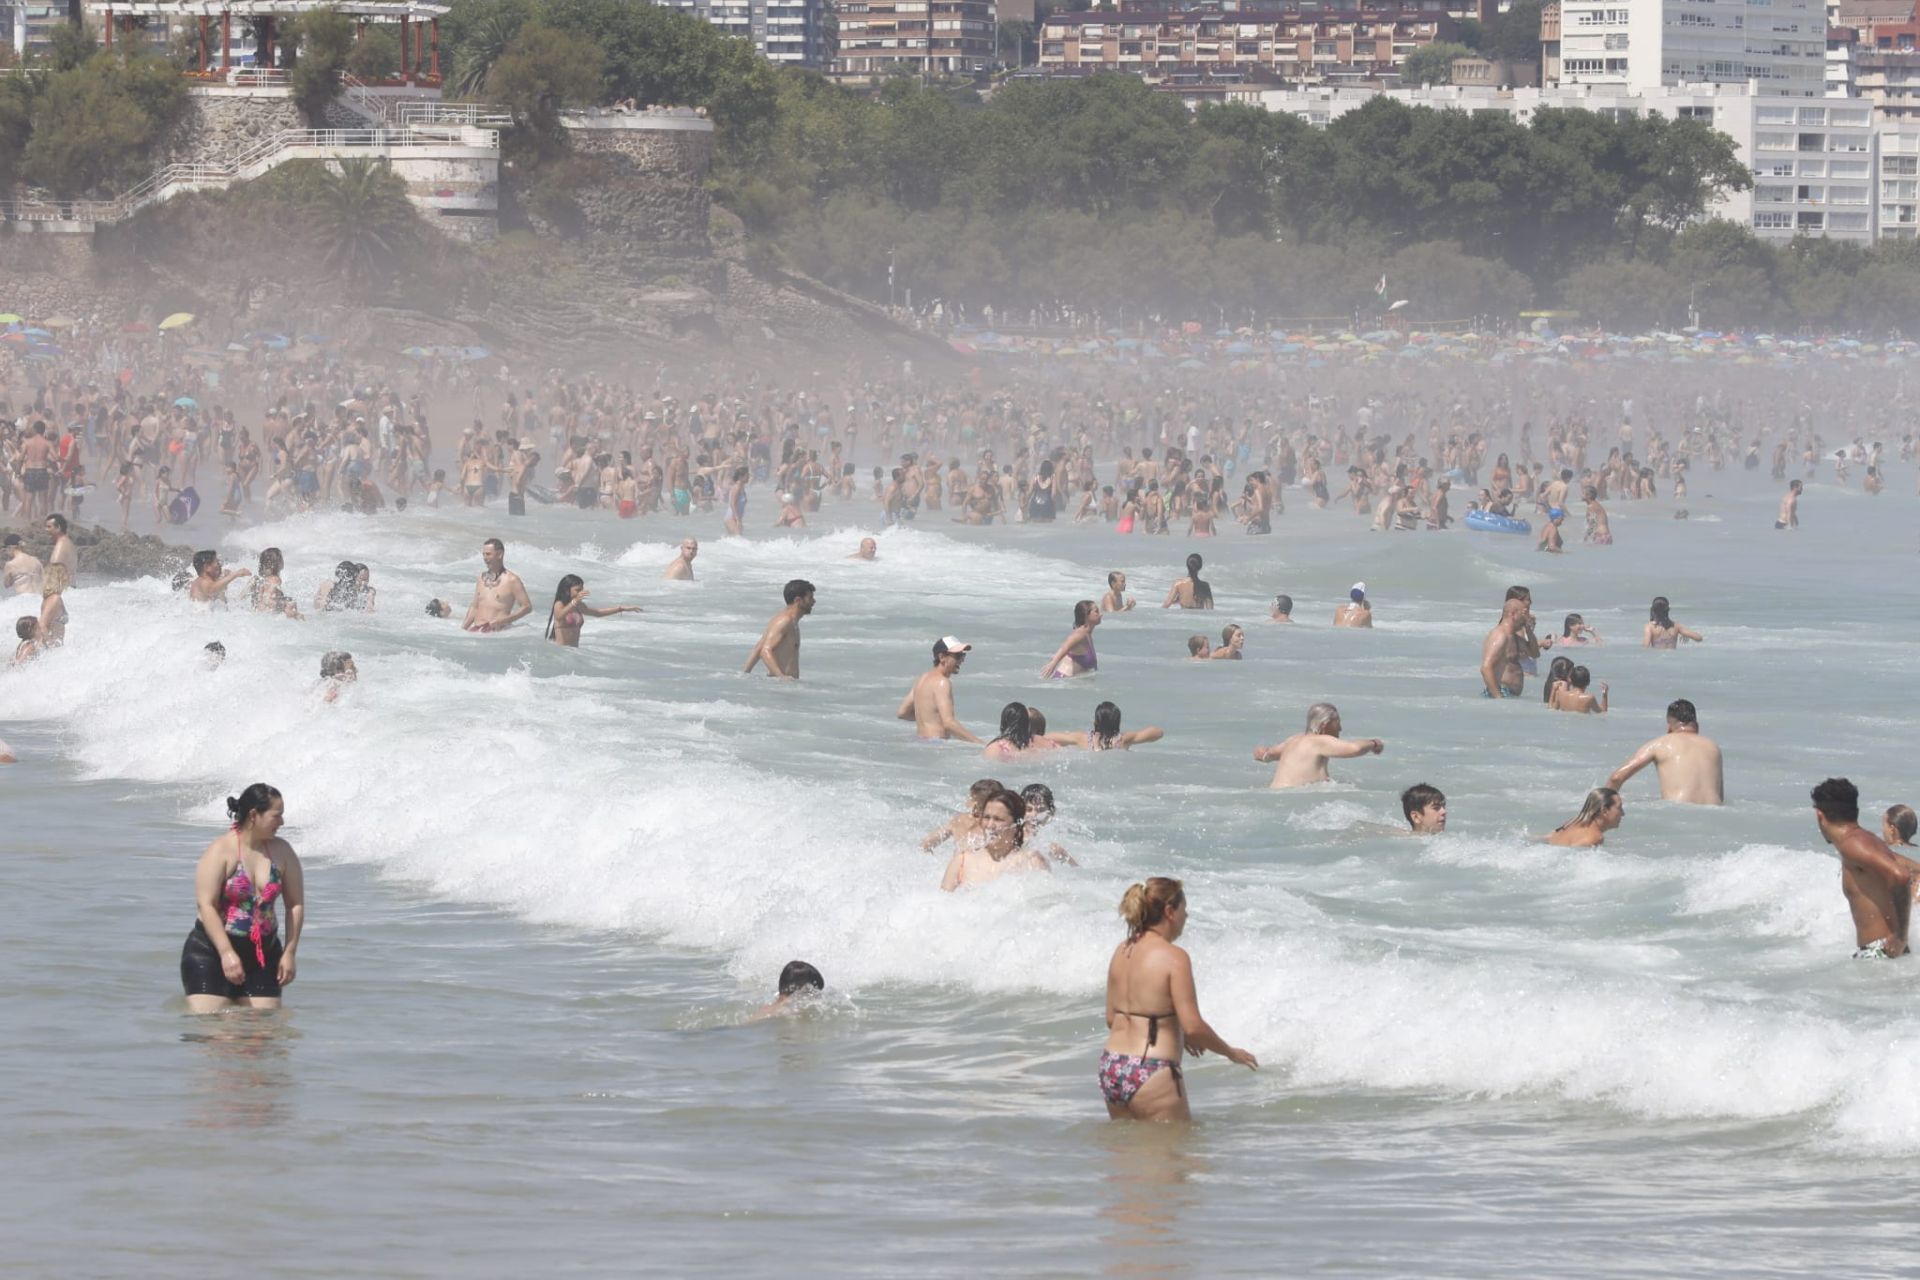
(682, 502)
(201, 974)
(629, 508)
(1504, 692)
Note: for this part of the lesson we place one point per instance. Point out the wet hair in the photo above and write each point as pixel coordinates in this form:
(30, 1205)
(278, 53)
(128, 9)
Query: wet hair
(800, 976)
(1038, 797)
(1519, 593)
(1837, 800)
(496, 544)
(1900, 817)
(563, 594)
(216, 648)
(334, 663)
(797, 588)
(1658, 612)
(1579, 678)
(1557, 670)
(1598, 801)
(1082, 610)
(26, 626)
(1202, 593)
(204, 560)
(255, 799)
(1283, 604)
(981, 792)
(1036, 720)
(1195, 644)
(1106, 723)
(1419, 796)
(271, 561)
(58, 521)
(1146, 904)
(1680, 711)
(1015, 727)
(435, 606)
(1573, 620)
(1226, 632)
(1320, 715)
(346, 586)
(1016, 809)
(1112, 575)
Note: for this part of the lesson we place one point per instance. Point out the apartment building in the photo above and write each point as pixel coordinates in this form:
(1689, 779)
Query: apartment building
(927, 38)
(1296, 44)
(790, 32)
(1821, 167)
(1649, 44)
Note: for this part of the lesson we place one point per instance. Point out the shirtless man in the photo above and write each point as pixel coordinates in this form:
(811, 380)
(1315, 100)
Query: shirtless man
(36, 471)
(1357, 611)
(499, 597)
(1303, 757)
(929, 704)
(20, 571)
(680, 568)
(779, 644)
(869, 550)
(1688, 760)
(1500, 669)
(1426, 810)
(63, 551)
(1789, 517)
(1282, 610)
(209, 583)
(1877, 882)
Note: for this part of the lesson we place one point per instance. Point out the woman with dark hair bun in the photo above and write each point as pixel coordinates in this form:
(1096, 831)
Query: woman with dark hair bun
(1153, 1013)
(236, 954)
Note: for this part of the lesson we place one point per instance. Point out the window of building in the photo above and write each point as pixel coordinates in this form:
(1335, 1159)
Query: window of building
(1772, 193)
(1772, 220)
(1807, 194)
(1898, 190)
(1696, 113)
(1897, 165)
(1807, 221)
(1813, 115)
(1847, 169)
(1847, 222)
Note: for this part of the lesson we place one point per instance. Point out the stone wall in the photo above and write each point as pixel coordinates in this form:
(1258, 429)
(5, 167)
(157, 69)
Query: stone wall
(48, 273)
(221, 124)
(637, 190)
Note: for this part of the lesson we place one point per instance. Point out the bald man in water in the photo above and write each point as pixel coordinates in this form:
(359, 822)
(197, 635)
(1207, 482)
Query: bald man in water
(680, 569)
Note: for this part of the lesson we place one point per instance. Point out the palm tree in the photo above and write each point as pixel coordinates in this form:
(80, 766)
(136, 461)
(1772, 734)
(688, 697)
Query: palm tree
(480, 48)
(362, 222)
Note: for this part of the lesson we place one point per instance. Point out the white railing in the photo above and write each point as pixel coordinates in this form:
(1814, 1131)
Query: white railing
(256, 77)
(361, 97)
(412, 113)
(290, 144)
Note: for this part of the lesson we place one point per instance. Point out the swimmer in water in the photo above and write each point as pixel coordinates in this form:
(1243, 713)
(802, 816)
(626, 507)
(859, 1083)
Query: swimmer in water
(1302, 759)
(1899, 826)
(27, 628)
(1425, 809)
(236, 953)
(1662, 632)
(779, 644)
(1576, 631)
(1116, 600)
(336, 673)
(1016, 733)
(1232, 640)
(1688, 761)
(1198, 648)
(869, 550)
(1039, 801)
(680, 568)
(1878, 883)
(1282, 610)
(1573, 695)
(929, 704)
(1500, 669)
(570, 611)
(1588, 829)
(1789, 517)
(6, 755)
(499, 597)
(439, 609)
(999, 848)
(1357, 612)
(1106, 734)
(799, 982)
(962, 826)
(210, 581)
(1075, 656)
(1153, 1011)
(1190, 592)
(216, 654)
(1550, 540)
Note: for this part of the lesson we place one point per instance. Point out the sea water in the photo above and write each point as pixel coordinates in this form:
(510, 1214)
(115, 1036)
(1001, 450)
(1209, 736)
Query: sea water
(547, 888)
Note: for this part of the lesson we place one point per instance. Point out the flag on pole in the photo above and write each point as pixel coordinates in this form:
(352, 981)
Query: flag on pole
(1381, 288)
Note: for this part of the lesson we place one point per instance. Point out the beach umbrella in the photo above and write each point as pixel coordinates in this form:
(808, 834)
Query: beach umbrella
(1193, 364)
(58, 322)
(176, 320)
(417, 353)
(134, 326)
(474, 353)
(1238, 348)
(964, 348)
(185, 402)
(39, 333)
(10, 318)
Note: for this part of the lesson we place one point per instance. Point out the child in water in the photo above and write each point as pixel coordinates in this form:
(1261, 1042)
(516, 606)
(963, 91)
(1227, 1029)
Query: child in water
(798, 981)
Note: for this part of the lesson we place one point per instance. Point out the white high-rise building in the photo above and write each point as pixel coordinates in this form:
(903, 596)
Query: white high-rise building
(784, 31)
(1642, 45)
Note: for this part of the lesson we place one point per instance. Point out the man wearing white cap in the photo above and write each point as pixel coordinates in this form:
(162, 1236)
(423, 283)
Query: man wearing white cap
(1357, 612)
(929, 704)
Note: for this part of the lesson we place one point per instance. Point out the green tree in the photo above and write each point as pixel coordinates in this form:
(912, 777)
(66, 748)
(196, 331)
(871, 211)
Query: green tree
(69, 45)
(97, 127)
(362, 222)
(1514, 36)
(475, 34)
(375, 55)
(540, 73)
(321, 40)
(1626, 295)
(1432, 63)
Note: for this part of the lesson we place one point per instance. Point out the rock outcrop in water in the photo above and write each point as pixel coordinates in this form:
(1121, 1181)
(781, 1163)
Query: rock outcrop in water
(106, 554)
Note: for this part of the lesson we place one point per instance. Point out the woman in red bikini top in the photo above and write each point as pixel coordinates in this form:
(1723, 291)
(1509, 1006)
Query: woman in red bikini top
(1153, 1013)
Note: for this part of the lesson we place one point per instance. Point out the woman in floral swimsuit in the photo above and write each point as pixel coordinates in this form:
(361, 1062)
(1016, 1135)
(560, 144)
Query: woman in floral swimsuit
(1152, 1010)
(236, 954)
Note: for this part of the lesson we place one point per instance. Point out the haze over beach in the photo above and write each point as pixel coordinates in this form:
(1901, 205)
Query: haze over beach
(550, 514)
